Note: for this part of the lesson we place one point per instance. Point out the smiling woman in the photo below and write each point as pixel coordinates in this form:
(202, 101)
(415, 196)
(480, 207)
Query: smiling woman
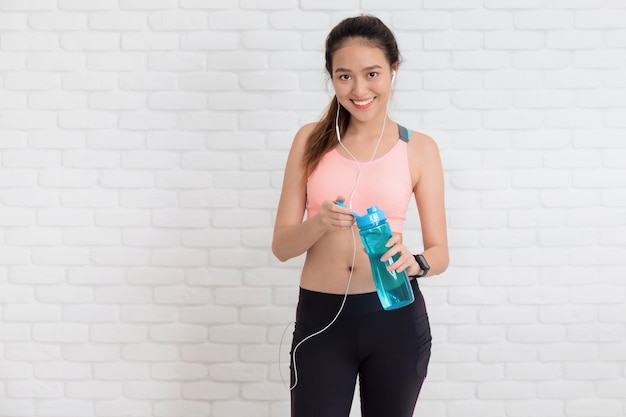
(361, 80)
(358, 156)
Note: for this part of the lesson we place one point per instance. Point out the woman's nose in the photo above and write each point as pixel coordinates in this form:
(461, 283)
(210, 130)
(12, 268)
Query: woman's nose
(358, 86)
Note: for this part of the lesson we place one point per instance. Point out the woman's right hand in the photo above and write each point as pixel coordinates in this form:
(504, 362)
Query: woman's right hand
(334, 217)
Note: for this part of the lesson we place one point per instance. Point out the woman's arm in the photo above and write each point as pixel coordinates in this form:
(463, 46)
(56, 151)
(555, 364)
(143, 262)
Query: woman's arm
(292, 235)
(429, 196)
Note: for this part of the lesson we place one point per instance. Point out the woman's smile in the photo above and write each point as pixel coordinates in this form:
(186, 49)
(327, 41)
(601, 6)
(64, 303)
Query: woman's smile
(363, 104)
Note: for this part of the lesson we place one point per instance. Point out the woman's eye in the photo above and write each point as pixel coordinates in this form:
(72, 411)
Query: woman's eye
(344, 77)
(372, 74)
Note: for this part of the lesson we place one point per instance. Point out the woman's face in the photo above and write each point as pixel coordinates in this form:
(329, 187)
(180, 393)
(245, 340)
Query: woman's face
(362, 79)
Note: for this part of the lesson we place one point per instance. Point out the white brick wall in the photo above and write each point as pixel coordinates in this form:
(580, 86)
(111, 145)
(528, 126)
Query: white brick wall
(142, 144)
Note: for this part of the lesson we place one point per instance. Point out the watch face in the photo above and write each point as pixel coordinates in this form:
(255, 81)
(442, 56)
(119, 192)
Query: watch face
(422, 262)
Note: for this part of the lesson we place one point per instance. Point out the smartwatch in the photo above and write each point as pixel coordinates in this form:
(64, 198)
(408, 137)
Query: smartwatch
(421, 261)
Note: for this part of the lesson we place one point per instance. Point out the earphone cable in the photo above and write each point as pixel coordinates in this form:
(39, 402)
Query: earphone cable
(354, 245)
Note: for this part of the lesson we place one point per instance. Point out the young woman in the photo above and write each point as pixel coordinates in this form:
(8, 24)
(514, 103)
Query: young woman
(357, 155)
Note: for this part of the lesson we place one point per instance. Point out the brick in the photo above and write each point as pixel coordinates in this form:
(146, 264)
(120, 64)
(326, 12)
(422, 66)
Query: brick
(481, 100)
(13, 61)
(121, 217)
(149, 314)
(50, 370)
(208, 5)
(599, 59)
(57, 21)
(16, 370)
(298, 20)
(182, 218)
(16, 293)
(21, 120)
(146, 5)
(209, 352)
(249, 408)
(116, 101)
(88, 81)
(113, 61)
(60, 256)
(118, 21)
(64, 294)
(481, 20)
(605, 19)
(149, 41)
(81, 5)
(237, 334)
(209, 391)
(94, 390)
(16, 408)
(568, 352)
(271, 40)
(452, 41)
(155, 238)
(238, 372)
(452, 4)
(148, 275)
(544, 20)
(60, 333)
(150, 352)
(92, 353)
(512, 4)
(13, 100)
(505, 390)
(17, 217)
(122, 408)
(522, 408)
(179, 371)
(66, 217)
(31, 313)
(178, 334)
(121, 371)
(33, 389)
(542, 60)
(29, 41)
(574, 4)
(87, 120)
(152, 390)
(177, 20)
(14, 21)
(293, 60)
(176, 101)
(123, 295)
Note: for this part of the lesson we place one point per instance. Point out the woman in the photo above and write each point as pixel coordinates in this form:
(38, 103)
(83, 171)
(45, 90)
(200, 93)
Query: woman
(358, 156)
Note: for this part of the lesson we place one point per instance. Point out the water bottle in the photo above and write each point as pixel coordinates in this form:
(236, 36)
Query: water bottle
(393, 288)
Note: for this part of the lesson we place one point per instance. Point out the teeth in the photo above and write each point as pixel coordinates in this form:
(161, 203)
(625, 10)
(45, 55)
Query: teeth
(363, 103)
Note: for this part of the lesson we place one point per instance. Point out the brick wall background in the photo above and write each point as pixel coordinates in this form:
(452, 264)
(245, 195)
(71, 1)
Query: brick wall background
(142, 144)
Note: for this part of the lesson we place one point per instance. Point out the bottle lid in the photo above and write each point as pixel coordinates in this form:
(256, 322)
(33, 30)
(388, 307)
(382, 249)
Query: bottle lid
(373, 217)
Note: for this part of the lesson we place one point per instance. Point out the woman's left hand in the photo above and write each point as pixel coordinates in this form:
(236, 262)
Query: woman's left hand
(405, 261)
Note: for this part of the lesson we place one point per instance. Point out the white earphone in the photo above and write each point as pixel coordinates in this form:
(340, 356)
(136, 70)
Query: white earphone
(393, 76)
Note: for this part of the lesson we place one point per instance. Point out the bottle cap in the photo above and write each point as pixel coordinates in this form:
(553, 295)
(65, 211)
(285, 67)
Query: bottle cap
(373, 217)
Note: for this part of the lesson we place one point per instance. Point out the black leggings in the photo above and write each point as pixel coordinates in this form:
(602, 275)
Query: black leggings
(388, 350)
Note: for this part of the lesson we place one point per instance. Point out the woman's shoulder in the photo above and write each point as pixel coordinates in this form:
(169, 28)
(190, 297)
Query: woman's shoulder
(303, 134)
(306, 130)
(422, 148)
(421, 141)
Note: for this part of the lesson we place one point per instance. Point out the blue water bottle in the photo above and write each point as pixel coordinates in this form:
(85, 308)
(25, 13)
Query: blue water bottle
(393, 288)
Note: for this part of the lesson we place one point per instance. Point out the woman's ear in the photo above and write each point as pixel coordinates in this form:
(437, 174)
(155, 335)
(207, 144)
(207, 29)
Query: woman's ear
(394, 71)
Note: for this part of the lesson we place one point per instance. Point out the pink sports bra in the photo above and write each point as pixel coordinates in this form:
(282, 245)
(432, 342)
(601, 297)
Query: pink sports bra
(385, 182)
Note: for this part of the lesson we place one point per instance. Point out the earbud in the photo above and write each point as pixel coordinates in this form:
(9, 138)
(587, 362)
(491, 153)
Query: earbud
(337, 122)
(393, 76)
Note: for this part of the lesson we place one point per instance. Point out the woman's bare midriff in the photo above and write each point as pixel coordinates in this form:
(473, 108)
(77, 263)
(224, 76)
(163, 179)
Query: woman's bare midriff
(328, 264)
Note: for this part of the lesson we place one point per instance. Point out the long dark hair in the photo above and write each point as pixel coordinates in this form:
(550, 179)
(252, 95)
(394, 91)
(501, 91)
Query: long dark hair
(373, 32)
